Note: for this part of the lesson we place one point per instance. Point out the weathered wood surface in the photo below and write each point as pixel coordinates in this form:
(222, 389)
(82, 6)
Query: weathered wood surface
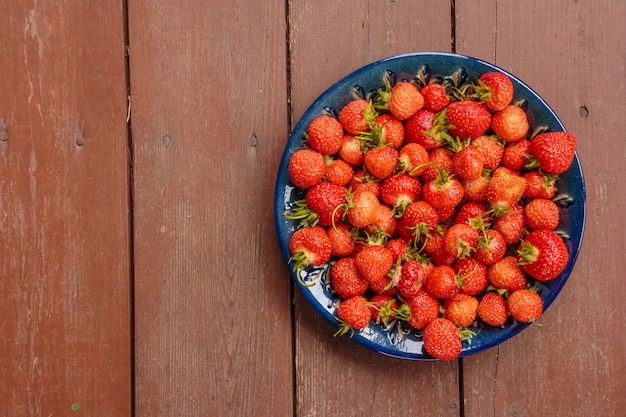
(180, 276)
(65, 262)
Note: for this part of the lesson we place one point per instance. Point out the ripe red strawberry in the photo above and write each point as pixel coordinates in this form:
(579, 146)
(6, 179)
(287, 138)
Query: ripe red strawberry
(391, 130)
(412, 276)
(341, 239)
(461, 310)
(441, 282)
(525, 306)
(309, 246)
(353, 314)
(460, 240)
(385, 222)
(383, 286)
(471, 274)
(435, 97)
(539, 185)
(492, 309)
(399, 191)
(399, 248)
(504, 190)
(362, 181)
(383, 308)
(443, 191)
(356, 116)
(542, 214)
(475, 190)
(434, 247)
(424, 308)
(350, 150)
(325, 135)
(491, 247)
(495, 89)
(325, 199)
(306, 168)
(491, 150)
(510, 124)
(474, 214)
(543, 254)
(467, 119)
(338, 171)
(362, 208)
(516, 155)
(412, 158)
(346, 281)
(553, 151)
(467, 163)
(373, 262)
(404, 100)
(440, 159)
(419, 218)
(381, 162)
(442, 340)
(427, 128)
(506, 274)
(511, 224)
(445, 213)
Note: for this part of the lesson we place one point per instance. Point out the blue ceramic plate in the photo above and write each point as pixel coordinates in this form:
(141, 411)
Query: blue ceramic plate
(369, 78)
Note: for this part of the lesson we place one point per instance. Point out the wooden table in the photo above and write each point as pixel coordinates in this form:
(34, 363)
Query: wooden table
(140, 273)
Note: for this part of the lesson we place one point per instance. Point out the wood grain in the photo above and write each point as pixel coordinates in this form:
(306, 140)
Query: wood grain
(573, 54)
(64, 211)
(337, 376)
(213, 310)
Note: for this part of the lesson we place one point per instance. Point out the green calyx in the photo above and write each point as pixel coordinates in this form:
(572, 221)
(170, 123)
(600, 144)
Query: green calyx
(301, 211)
(527, 254)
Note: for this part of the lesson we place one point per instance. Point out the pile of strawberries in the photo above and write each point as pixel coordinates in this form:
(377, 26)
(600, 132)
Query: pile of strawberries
(433, 203)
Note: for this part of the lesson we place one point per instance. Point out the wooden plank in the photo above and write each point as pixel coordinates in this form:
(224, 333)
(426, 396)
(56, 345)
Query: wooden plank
(572, 53)
(337, 376)
(213, 308)
(64, 211)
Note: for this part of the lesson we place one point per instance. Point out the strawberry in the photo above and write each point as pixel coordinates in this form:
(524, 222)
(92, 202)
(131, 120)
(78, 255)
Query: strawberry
(473, 214)
(306, 168)
(356, 116)
(435, 97)
(353, 314)
(346, 280)
(399, 191)
(472, 275)
(326, 200)
(374, 261)
(441, 282)
(510, 124)
(350, 150)
(383, 308)
(460, 240)
(391, 130)
(419, 218)
(491, 247)
(542, 214)
(511, 224)
(424, 308)
(543, 254)
(362, 208)
(338, 171)
(412, 158)
(341, 239)
(442, 340)
(504, 190)
(491, 150)
(325, 135)
(404, 100)
(383, 286)
(467, 119)
(506, 274)
(495, 89)
(439, 159)
(492, 309)
(381, 162)
(434, 247)
(516, 155)
(445, 213)
(309, 246)
(525, 306)
(385, 222)
(539, 185)
(461, 310)
(362, 181)
(553, 151)
(399, 248)
(475, 190)
(443, 191)
(467, 163)
(427, 128)
(413, 274)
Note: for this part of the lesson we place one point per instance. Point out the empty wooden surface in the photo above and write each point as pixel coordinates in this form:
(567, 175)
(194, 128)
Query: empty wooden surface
(139, 268)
